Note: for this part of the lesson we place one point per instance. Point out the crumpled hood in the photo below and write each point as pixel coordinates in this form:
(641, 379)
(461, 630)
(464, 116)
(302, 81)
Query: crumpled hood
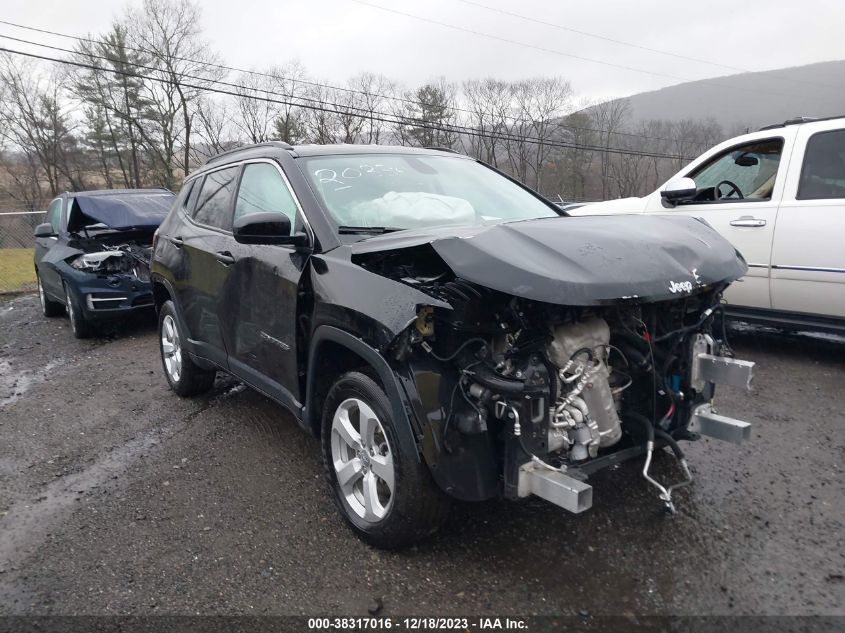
(582, 260)
(121, 210)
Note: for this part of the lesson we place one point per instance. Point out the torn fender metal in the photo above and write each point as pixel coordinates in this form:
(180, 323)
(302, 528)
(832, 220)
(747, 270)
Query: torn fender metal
(581, 261)
(373, 307)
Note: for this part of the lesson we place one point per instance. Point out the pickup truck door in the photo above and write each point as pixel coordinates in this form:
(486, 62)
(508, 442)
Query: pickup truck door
(808, 252)
(738, 193)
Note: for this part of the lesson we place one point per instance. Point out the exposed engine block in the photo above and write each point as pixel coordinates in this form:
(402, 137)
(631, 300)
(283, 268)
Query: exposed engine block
(585, 415)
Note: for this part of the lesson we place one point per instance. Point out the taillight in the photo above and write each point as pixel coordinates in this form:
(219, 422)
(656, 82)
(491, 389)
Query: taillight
(155, 239)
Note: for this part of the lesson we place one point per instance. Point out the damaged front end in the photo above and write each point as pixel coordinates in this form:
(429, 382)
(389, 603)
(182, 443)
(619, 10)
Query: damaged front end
(537, 364)
(111, 278)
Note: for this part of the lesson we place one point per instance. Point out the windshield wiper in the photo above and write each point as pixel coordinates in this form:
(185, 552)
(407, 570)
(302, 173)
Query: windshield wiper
(356, 230)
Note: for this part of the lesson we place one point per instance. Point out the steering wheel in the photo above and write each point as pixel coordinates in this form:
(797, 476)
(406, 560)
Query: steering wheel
(733, 189)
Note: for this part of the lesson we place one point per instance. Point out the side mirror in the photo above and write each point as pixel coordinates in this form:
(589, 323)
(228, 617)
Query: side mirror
(44, 230)
(679, 189)
(266, 228)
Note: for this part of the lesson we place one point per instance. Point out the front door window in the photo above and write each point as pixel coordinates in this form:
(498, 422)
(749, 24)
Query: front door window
(745, 172)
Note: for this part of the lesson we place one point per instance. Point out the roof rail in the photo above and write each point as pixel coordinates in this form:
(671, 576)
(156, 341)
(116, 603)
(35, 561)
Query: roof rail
(799, 120)
(442, 149)
(240, 148)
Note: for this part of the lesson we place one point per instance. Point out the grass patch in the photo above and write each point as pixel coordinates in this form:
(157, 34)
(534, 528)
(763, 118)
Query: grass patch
(17, 271)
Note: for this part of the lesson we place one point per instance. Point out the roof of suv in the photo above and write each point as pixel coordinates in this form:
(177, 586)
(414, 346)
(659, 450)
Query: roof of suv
(276, 148)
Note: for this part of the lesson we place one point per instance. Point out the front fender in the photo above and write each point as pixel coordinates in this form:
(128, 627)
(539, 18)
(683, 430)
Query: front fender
(398, 402)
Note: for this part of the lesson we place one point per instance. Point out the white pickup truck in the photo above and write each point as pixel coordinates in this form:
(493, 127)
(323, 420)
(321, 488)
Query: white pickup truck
(779, 196)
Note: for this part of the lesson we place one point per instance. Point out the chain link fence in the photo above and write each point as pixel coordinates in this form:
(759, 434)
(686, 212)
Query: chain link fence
(17, 241)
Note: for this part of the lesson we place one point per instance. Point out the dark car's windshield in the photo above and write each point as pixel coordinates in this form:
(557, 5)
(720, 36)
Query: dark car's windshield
(405, 191)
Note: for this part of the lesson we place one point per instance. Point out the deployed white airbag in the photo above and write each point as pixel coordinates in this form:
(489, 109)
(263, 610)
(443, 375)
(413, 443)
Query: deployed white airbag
(411, 209)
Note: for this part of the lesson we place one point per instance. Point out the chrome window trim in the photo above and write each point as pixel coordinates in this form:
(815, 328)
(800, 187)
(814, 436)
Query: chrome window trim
(240, 164)
(815, 269)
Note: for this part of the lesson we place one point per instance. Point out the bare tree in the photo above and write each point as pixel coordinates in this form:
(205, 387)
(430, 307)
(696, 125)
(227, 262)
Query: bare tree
(213, 128)
(256, 116)
(321, 118)
(291, 83)
(610, 118)
(169, 32)
(489, 103)
(375, 91)
(37, 122)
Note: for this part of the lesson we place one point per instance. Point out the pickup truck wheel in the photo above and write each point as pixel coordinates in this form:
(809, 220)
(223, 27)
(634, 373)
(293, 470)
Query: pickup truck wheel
(80, 326)
(184, 376)
(386, 496)
(49, 308)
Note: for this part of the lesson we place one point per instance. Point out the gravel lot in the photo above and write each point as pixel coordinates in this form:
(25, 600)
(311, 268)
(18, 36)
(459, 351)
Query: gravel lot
(117, 497)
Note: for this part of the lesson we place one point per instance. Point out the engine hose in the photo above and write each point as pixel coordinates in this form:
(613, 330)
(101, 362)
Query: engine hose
(486, 376)
(689, 328)
(637, 359)
(644, 422)
(671, 442)
(461, 348)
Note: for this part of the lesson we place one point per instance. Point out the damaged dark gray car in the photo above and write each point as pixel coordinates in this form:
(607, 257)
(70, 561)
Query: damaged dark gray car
(93, 251)
(445, 331)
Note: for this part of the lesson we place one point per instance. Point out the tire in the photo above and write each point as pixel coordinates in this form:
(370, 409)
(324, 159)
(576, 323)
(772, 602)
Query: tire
(80, 326)
(383, 517)
(184, 376)
(49, 308)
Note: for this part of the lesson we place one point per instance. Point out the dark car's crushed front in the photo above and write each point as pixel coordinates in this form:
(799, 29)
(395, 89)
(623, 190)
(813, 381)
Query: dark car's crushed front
(97, 264)
(443, 329)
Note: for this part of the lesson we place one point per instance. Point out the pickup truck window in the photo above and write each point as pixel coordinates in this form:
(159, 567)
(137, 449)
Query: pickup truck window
(823, 172)
(744, 172)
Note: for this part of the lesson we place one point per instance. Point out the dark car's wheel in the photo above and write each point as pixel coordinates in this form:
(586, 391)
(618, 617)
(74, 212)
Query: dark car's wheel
(49, 308)
(185, 377)
(78, 323)
(387, 496)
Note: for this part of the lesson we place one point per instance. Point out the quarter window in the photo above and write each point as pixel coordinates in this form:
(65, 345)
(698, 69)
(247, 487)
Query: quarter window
(214, 203)
(823, 173)
(263, 190)
(745, 172)
(188, 193)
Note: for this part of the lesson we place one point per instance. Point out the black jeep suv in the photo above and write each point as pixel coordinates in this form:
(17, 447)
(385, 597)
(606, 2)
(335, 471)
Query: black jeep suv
(445, 331)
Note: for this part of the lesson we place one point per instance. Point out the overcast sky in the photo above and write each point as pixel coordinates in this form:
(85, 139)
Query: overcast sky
(335, 39)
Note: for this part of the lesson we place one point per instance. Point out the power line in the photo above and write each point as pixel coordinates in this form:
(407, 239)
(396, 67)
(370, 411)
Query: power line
(315, 84)
(554, 51)
(375, 116)
(344, 109)
(605, 38)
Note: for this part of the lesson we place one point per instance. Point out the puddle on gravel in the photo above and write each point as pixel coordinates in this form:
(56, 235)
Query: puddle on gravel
(26, 523)
(15, 384)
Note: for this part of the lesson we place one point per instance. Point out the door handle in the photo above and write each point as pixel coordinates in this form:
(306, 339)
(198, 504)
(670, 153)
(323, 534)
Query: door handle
(176, 241)
(748, 221)
(225, 258)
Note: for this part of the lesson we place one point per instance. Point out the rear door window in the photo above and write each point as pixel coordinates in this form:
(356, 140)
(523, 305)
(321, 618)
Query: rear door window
(823, 172)
(214, 202)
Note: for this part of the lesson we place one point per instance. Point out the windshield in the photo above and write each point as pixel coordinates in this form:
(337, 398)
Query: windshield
(414, 191)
